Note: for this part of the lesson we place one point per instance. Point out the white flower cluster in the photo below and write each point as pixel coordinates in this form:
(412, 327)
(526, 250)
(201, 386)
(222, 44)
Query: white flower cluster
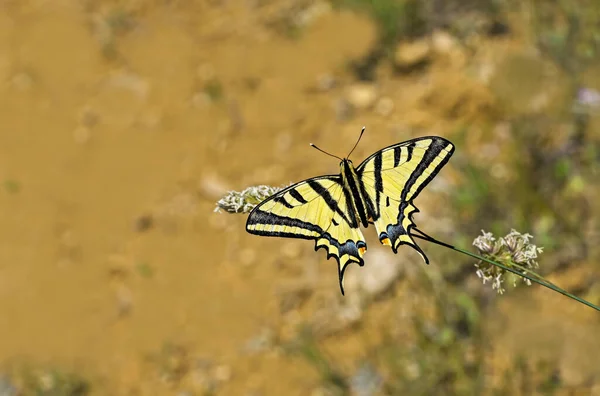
(245, 201)
(514, 251)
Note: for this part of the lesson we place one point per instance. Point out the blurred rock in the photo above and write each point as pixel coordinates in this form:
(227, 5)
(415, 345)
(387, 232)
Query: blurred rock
(131, 82)
(343, 110)
(312, 13)
(384, 107)
(22, 81)
(443, 42)
(6, 387)
(284, 142)
(201, 99)
(264, 341)
(143, 223)
(411, 54)
(326, 82)
(88, 117)
(222, 373)
(375, 278)
(361, 95)
(366, 381)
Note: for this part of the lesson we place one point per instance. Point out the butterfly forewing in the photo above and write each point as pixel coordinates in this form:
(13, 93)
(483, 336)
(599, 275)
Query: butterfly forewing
(319, 209)
(392, 179)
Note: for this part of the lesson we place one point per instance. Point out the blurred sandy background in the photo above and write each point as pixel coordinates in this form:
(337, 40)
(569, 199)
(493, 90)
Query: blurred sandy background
(123, 122)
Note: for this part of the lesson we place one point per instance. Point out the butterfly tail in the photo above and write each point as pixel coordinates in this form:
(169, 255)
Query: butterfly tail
(396, 235)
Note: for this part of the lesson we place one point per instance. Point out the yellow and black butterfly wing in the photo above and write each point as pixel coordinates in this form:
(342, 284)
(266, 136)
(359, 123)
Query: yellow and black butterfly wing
(393, 177)
(318, 209)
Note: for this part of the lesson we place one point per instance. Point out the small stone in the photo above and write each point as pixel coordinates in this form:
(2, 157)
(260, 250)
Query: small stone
(201, 99)
(413, 53)
(384, 107)
(222, 373)
(343, 110)
(260, 343)
(361, 95)
(143, 223)
(326, 82)
(381, 273)
(312, 13)
(6, 387)
(88, 117)
(366, 381)
(284, 142)
(131, 82)
(22, 81)
(443, 42)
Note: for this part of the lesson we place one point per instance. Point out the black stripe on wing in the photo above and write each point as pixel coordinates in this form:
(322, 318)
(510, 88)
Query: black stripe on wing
(261, 217)
(431, 153)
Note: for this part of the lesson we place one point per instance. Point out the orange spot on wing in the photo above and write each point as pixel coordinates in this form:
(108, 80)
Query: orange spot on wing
(386, 241)
(362, 250)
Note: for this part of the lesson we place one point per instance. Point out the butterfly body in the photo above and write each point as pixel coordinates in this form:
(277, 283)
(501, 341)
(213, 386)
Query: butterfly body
(331, 209)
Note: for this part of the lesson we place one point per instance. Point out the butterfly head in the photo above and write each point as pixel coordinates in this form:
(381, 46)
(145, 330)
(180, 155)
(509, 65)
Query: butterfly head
(346, 164)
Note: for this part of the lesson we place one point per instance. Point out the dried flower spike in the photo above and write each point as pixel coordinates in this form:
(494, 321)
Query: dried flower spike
(513, 250)
(245, 201)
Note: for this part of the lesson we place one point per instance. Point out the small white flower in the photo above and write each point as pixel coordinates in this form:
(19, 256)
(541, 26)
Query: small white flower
(513, 250)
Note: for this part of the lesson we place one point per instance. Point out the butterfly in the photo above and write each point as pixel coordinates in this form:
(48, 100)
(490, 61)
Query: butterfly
(380, 191)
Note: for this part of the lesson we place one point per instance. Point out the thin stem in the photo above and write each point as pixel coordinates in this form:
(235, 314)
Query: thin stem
(540, 281)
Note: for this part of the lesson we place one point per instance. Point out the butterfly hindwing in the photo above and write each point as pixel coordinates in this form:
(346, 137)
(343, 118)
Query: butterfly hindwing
(393, 177)
(318, 209)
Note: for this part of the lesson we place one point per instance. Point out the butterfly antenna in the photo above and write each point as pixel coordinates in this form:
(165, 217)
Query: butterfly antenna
(325, 152)
(361, 133)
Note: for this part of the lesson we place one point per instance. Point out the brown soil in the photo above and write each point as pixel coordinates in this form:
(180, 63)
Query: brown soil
(101, 126)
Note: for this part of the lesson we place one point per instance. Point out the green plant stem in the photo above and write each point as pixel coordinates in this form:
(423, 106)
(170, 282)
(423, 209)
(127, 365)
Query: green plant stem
(540, 281)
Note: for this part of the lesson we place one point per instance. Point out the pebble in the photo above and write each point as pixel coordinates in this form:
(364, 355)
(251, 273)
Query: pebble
(366, 381)
(131, 82)
(443, 42)
(22, 81)
(410, 54)
(222, 373)
(372, 280)
(343, 110)
(361, 95)
(264, 341)
(88, 117)
(284, 142)
(312, 13)
(384, 107)
(143, 223)
(6, 387)
(201, 99)
(326, 82)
